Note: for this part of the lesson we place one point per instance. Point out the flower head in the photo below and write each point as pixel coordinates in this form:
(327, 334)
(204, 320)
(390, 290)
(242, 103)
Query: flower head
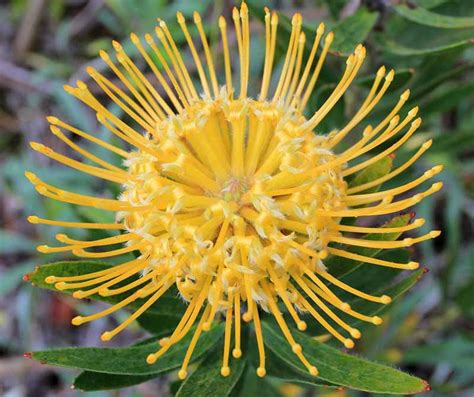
(232, 198)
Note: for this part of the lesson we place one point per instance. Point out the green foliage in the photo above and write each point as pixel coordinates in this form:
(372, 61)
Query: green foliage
(339, 368)
(128, 360)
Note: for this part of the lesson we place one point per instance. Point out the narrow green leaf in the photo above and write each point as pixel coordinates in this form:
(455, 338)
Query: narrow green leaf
(425, 17)
(207, 380)
(395, 48)
(340, 368)
(169, 308)
(129, 360)
(92, 381)
(278, 369)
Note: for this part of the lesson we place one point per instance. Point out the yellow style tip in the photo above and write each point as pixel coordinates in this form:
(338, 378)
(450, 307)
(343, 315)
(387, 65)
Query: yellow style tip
(78, 320)
(320, 29)
(31, 177)
(413, 112)
(103, 54)
(50, 280)
(149, 38)
(390, 75)
(78, 294)
(345, 307)
(52, 119)
(43, 249)
(180, 17)
(405, 95)
(376, 320)
(236, 353)
(381, 71)
(302, 326)
(182, 374)
(222, 22)
(329, 38)
(413, 265)
(61, 237)
(197, 17)
(261, 372)
(117, 46)
(274, 20)
(427, 144)
(416, 123)
(235, 13)
(246, 317)
(355, 333)
(313, 371)
(135, 39)
(349, 344)
(36, 146)
(33, 219)
(106, 336)
(91, 71)
(151, 359)
(385, 299)
(55, 130)
(206, 327)
(435, 233)
(225, 371)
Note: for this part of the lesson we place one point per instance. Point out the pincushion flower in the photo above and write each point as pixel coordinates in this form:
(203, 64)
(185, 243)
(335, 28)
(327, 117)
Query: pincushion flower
(235, 199)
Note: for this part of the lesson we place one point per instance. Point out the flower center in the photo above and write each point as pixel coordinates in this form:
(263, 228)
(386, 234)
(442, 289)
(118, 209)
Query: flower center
(234, 188)
(230, 187)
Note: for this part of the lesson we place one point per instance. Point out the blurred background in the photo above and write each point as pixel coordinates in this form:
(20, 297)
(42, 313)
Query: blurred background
(47, 43)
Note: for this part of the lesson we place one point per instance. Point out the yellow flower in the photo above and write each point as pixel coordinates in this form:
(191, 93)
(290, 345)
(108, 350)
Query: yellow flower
(234, 199)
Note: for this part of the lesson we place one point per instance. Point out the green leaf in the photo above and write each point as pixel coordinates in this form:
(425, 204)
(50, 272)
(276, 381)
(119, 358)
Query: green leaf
(371, 173)
(92, 381)
(168, 308)
(424, 17)
(129, 360)
(340, 368)
(252, 385)
(352, 31)
(279, 370)
(339, 267)
(207, 380)
(398, 49)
